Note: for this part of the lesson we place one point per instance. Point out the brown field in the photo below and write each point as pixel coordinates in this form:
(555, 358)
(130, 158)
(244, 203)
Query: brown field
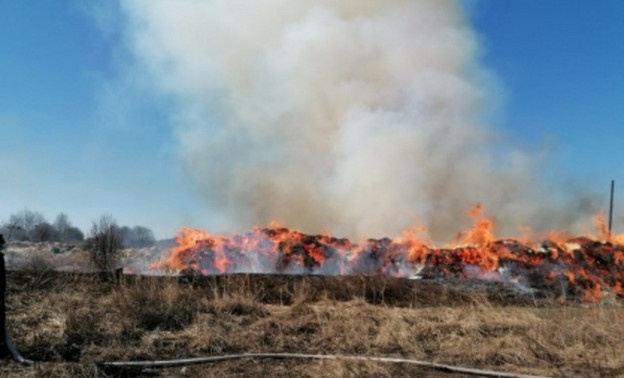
(70, 322)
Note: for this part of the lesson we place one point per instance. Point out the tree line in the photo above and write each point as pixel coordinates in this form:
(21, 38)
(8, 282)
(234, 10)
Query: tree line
(28, 225)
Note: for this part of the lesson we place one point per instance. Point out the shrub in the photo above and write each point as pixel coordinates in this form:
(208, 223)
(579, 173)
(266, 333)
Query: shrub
(159, 305)
(44, 232)
(104, 244)
(137, 237)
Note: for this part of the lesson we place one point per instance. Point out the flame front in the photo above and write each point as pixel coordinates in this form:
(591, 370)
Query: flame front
(579, 267)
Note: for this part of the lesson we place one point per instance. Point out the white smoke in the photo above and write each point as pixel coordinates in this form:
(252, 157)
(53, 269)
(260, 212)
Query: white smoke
(361, 117)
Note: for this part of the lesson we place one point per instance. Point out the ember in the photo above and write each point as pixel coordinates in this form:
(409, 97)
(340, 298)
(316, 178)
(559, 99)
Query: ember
(569, 267)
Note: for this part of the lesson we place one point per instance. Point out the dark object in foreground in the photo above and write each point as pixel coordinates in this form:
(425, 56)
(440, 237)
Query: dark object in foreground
(6, 343)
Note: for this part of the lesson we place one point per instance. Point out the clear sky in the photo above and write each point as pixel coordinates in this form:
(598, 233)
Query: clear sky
(70, 143)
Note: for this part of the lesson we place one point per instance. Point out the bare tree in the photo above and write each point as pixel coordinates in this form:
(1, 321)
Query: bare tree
(62, 224)
(27, 219)
(105, 244)
(66, 231)
(22, 224)
(44, 232)
(137, 237)
(126, 236)
(5, 229)
(73, 234)
(143, 237)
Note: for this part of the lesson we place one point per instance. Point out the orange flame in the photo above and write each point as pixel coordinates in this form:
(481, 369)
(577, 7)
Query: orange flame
(588, 267)
(482, 231)
(603, 230)
(416, 240)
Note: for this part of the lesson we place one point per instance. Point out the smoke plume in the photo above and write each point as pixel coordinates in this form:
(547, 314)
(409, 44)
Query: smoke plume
(361, 117)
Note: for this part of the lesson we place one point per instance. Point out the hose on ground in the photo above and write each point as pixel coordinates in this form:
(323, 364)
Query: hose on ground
(121, 365)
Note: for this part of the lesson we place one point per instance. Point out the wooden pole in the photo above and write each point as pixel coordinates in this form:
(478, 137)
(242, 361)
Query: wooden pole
(611, 207)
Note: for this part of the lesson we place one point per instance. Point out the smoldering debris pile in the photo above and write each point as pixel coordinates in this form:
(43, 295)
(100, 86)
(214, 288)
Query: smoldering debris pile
(577, 268)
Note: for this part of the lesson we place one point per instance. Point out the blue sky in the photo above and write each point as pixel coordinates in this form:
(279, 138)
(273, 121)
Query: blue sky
(71, 144)
(562, 65)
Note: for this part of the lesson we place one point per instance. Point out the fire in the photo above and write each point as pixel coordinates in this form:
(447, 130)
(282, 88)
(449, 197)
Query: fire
(581, 267)
(603, 230)
(482, 231)
(416, 240)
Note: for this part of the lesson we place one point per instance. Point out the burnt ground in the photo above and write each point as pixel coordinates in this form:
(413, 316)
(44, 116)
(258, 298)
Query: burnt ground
(70, 322)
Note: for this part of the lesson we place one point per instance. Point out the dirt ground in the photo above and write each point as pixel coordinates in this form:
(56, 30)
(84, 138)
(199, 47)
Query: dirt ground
(71, 322)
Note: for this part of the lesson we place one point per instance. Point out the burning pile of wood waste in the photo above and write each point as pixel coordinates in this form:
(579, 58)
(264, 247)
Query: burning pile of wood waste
(582, 268)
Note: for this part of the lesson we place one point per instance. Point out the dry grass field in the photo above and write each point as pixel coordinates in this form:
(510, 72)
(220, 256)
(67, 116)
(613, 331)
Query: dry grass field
(70, 322)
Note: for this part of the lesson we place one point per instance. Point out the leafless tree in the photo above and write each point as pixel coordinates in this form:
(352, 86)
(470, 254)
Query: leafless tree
(73, 234)
(66, 231)
(137, 237)
(44, 232)
(105, 244)
(62, 224)
(143, 237)
(22, 224)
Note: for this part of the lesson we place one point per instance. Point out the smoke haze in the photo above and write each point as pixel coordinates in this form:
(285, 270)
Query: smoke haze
(361, 117)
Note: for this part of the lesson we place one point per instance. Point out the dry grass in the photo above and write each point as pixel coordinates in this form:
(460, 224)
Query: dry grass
(70, 322)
